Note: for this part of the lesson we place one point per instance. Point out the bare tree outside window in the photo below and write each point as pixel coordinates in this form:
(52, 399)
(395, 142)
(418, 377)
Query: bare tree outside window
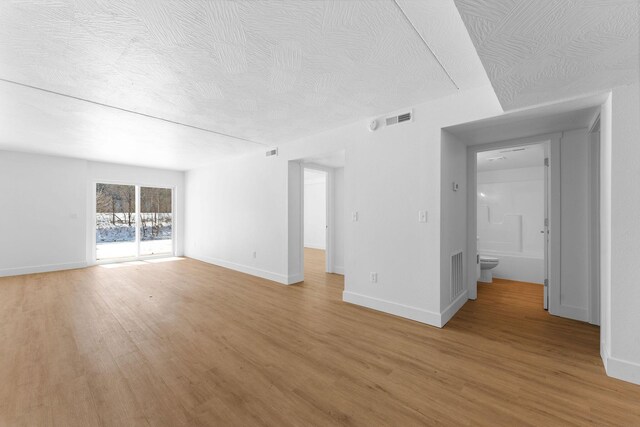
(115, 221)
(156, 220)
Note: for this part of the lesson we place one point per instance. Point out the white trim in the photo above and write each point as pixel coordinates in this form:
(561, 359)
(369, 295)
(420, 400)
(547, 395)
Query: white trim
(604, 355)
(554, 261)
(569, 311)
(41, 268)
(252, 271)
(338, 269)
(594, 224)
(329, 218)
(472, 223)
(620, 369)
(453, 308)
(406, 311)
(130, 259)
(294, 278)
(138, 237)
(301, 229)
(315, 247)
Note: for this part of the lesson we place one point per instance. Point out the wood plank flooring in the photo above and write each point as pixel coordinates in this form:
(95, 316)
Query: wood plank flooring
(187, 343)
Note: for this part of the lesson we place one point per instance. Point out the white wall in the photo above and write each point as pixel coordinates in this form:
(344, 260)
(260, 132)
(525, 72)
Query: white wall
(390, 175)
(65, 189)
(42, 213)
(294, 270)
(339, 220)
(620, 135)
(315, 209)
(236, 209)
(453, 233)
(510, 218)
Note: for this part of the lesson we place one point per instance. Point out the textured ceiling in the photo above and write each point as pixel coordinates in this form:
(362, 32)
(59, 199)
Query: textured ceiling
(267, 71)
(539, 51)
(38, 122)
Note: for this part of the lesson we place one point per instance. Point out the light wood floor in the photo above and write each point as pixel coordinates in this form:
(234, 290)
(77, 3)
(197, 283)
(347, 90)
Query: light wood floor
(187, 343)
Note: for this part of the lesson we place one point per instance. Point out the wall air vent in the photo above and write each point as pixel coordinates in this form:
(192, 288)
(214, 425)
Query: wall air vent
(272, 152)
(457, 275)
(405, 117)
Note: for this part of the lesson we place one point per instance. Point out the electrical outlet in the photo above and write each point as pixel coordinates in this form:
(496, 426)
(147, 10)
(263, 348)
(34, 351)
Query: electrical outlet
(354, 216)
(373, 277)
(255, 254)
(422, 216)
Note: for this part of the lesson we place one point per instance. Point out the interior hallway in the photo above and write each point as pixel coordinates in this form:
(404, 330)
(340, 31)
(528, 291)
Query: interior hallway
(189, 343)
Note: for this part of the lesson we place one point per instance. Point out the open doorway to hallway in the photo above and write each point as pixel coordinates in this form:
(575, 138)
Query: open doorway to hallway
(316, 227)
(322, 214)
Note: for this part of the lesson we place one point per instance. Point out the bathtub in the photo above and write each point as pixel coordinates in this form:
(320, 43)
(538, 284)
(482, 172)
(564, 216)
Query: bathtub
(519, 267)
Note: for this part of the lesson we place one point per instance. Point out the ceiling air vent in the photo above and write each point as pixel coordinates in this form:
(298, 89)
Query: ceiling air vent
(406, 117)
(272, 152)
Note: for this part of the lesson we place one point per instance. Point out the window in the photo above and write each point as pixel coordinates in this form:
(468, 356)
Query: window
(156, 221)
(133, 221)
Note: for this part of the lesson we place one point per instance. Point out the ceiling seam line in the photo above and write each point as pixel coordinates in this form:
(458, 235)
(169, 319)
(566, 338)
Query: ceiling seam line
(425, 43)
(132, 112)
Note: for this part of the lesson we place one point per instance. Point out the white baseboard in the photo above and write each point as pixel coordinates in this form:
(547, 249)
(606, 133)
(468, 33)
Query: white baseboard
(453, 308)
(295, 278)
(575, 313)
(338, 269)
(322, 248)
(406, 311)
(604, 355)
(269, 275)
(41, 269)
(620, 369)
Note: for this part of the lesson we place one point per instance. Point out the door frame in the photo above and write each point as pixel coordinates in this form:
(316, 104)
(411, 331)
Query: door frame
(553, 199)
(92, 221)
(594, 219)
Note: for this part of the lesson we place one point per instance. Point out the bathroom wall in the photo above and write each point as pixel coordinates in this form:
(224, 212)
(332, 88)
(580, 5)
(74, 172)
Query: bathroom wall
(510, 221)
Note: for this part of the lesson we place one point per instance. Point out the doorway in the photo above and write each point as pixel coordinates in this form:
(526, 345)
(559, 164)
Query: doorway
(332, 167)
(133, 222)
(512, 218)
(315, 223)
(570, 228)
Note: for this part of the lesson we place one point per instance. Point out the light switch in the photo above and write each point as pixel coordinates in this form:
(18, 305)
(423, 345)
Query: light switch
(422, 216)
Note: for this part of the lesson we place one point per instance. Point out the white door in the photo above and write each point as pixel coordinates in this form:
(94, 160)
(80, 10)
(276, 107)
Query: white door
(545, 228)
(569, 228)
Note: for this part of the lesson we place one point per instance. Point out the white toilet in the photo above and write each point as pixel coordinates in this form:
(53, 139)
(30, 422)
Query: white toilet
(487, 263)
